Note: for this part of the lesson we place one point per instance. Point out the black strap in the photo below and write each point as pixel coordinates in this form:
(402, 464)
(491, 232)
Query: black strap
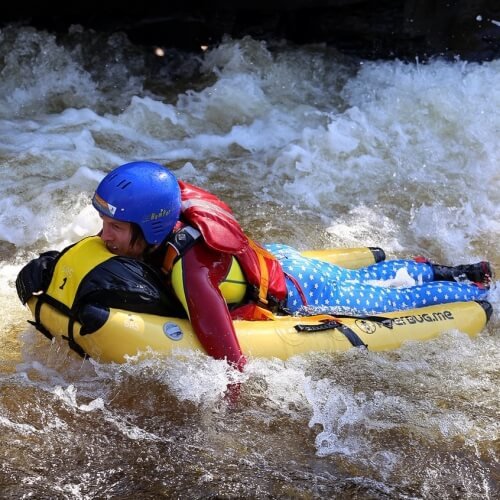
(38, 324)
(41, 329)
(325, 325)
(183, 239)
(351, 335)
(71, 339)
(381, 320)
(46, 299)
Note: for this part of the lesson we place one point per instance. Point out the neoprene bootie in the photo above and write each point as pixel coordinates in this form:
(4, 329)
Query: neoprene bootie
(477, 273)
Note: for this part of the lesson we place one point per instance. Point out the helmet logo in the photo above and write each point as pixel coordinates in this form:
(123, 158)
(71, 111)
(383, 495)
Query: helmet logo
(104, 205)
(162, 213)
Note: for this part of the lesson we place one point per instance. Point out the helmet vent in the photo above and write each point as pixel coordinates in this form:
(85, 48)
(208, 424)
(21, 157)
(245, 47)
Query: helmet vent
(157, 226)
(144, 193)
(123, 184)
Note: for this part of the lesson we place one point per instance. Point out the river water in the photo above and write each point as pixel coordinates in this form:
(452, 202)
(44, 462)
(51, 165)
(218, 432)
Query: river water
(311, 149)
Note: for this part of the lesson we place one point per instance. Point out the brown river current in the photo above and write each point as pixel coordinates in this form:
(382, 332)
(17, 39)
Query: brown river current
(310, 149)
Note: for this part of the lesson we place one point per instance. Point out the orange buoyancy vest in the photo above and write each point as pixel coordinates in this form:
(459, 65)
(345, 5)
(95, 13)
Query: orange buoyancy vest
(222, 232)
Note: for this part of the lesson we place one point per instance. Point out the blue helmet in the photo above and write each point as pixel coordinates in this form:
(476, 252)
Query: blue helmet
(142, 192)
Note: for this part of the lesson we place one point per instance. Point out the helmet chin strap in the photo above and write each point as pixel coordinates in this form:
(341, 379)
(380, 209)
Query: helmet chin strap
(150, 249)
(152, 253)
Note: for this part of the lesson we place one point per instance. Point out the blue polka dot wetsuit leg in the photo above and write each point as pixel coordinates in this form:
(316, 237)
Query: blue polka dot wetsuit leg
(331, 288)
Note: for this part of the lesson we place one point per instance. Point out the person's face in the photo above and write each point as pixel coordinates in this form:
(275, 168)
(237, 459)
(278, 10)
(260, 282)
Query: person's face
(117, 235)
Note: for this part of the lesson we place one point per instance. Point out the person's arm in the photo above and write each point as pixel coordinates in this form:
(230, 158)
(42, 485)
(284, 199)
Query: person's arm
(198, 289)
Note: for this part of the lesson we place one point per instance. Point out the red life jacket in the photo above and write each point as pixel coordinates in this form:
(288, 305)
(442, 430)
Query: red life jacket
(222, 232)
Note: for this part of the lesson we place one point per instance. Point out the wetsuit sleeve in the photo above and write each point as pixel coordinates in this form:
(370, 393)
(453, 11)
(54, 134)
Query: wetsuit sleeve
(202, 271)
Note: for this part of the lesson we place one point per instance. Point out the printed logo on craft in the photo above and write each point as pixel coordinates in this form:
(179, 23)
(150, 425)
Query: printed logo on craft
(366, 326)
(172, 331)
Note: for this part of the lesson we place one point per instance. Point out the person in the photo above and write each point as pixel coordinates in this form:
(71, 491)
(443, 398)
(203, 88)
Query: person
(219, 274)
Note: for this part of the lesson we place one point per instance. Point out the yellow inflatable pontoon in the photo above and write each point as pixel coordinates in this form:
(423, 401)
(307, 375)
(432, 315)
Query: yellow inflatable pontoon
(127, 334)
(124, 333)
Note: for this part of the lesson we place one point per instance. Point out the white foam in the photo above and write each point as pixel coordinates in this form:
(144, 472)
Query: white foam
(403, 156)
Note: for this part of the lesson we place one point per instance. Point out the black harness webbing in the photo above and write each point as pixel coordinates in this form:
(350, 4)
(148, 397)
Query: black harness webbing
(351, 335)
(71, 340)
(46, 299)
(37, 323)
(381, 320)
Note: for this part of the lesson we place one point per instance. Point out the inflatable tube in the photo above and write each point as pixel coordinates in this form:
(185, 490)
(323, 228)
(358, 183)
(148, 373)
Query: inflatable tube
(127, 334)
(352, 258)
(118, 334)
